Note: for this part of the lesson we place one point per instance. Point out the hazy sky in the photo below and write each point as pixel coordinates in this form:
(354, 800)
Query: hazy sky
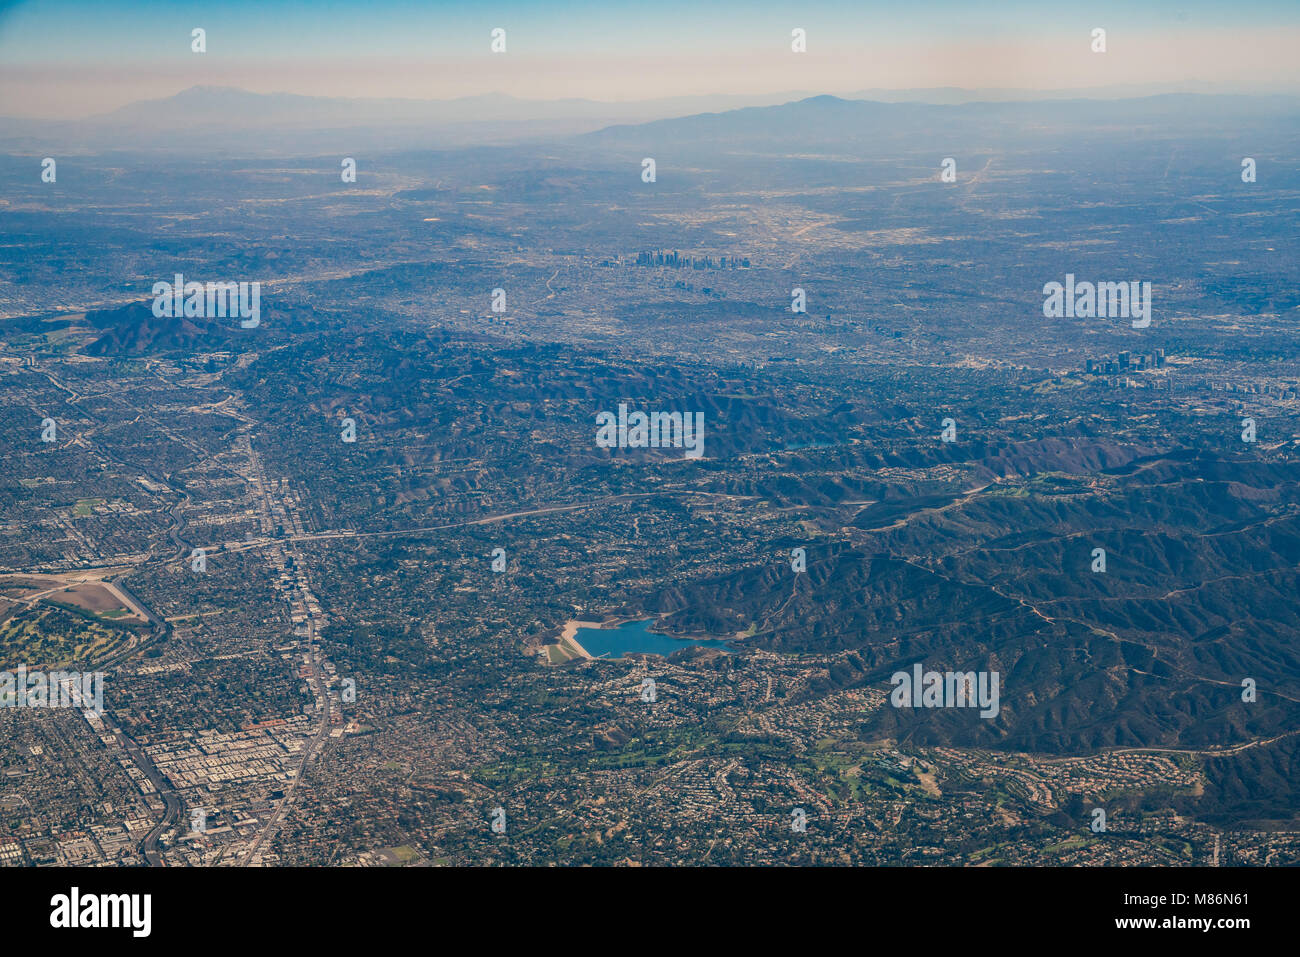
(73, 58)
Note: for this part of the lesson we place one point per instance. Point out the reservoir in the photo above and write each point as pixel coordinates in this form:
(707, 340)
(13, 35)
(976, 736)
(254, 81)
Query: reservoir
(795, 446)
(636, 637)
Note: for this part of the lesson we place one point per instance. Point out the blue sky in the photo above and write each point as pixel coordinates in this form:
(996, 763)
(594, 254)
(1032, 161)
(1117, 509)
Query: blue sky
(74, 57)
(48, 30)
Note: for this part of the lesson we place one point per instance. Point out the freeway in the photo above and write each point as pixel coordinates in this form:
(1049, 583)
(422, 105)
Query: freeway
(171, 800)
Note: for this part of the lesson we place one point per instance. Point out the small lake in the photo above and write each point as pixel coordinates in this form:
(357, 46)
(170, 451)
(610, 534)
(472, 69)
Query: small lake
(795, 446)
(636, 637)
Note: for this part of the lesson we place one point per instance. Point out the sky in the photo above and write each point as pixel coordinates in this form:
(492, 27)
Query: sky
(76, 58)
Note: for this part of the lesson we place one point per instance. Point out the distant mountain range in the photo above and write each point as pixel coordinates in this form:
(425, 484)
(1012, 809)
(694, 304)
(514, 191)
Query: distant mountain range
(205, 117)
(234, 121)
(830, 122)
(134, 330)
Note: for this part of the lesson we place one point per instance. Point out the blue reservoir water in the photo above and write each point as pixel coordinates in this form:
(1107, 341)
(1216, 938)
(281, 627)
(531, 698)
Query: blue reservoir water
(795, 446)
(635, 636)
